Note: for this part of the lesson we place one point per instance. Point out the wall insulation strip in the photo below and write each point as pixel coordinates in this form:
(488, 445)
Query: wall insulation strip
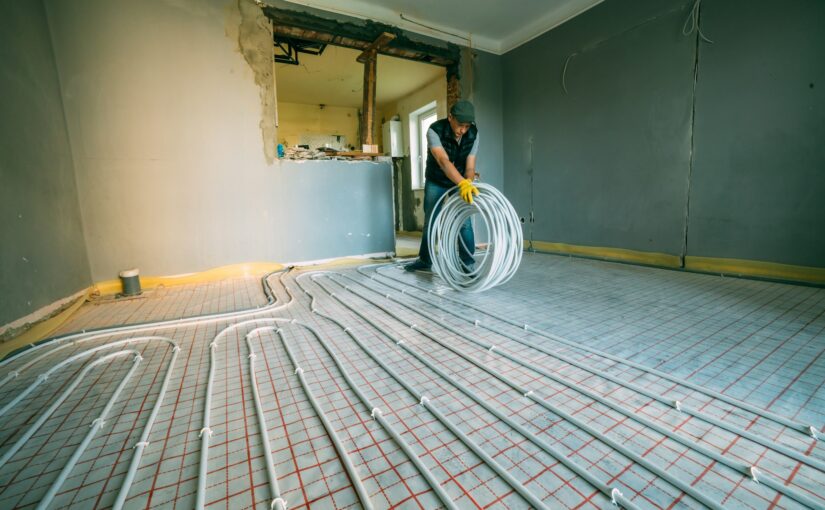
(97, 424)
(593, 480)
(742, 469)
(782, 420)
(271, 306)
(685, 487)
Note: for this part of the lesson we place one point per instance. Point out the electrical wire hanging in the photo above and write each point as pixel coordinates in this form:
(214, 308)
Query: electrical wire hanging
(502, 257)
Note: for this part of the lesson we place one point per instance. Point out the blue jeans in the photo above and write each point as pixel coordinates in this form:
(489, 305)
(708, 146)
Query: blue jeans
(432, 193)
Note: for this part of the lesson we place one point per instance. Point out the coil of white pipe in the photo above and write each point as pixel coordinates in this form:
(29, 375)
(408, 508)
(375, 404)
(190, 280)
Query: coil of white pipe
(502, 257)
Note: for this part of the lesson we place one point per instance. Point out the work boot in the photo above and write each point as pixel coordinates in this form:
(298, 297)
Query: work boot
(417, 265)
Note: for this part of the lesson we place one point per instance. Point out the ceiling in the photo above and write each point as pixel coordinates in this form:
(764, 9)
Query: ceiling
(334, 78)
(496, 26)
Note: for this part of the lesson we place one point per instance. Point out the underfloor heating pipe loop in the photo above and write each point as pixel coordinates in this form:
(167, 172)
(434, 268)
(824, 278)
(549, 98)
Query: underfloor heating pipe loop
(205, 433)
(505, 243)
(363, 495)
(143, 442)
(424, 401)
(271, 306)
(740, 468)
(685, 487)
(45, 415)
(378, 416)
(799, 457)
(278, 502)
(88, 352)
(96, 425)
(806, 429)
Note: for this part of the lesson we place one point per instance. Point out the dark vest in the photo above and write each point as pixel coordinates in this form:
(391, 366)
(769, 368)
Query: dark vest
(457, 152)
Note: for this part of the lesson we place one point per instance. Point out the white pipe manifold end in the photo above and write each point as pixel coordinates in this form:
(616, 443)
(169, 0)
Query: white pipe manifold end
(424, 400)
(278, 503)
(144, 444)
(615, 493)
(754, 474)
(299, 370)
(207, 430)
(811, 429)
(375, 412)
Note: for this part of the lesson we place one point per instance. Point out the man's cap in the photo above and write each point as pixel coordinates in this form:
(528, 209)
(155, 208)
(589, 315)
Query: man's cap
(463, 111)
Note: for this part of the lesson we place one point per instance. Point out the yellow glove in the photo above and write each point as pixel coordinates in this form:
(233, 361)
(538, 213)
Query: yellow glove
(467, 190)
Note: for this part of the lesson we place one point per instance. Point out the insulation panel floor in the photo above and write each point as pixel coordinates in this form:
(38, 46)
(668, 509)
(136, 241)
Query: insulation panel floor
(576, 384)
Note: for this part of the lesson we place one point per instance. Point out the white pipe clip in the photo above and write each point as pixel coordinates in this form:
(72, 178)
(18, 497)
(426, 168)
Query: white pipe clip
(492, 347)
(347, 329)
(213, 345)
(176, 348)
(138, 358)
(42, 377)
(615, 493)
(525, 329)
(299, 370)
(16, 374)
(100, 422)
(812, 430)
(678, 405)
(293, 321)
(375, 411)
(207, 430)
(754, 474)
(476, 323)
(528, 394)
(387, 296)
(424, 400)
(144, 444)
(414, 326)
(279, 503)
(252, 355)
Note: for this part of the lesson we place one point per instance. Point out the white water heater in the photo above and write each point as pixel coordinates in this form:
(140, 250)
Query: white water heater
(393, 140)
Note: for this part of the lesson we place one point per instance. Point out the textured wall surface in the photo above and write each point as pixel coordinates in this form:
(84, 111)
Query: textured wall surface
(758, 179)
(43, 256)
(170, 124)
(664, 143)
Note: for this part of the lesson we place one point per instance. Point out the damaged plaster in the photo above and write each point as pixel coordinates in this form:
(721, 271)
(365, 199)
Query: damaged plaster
(250, 29)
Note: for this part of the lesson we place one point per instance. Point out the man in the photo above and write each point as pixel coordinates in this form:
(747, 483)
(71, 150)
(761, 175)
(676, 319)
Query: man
(451, 161)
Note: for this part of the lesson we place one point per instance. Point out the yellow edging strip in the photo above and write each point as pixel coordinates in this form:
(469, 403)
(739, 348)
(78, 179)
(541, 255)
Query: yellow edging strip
(620, 254)
(211, 275)
(41, 329)
(756, 268)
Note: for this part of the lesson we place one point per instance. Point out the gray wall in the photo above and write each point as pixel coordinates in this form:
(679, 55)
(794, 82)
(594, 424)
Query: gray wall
(612, 158)
(609, 158)
(170, 129)
(43, 257)
(758, 183)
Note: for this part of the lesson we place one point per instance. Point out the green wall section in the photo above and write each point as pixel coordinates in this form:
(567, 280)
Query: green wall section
(612, 158)
(758, 182)
(43, 257)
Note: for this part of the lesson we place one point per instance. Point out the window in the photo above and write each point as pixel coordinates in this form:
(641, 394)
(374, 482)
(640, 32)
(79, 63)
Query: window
(420, 121)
